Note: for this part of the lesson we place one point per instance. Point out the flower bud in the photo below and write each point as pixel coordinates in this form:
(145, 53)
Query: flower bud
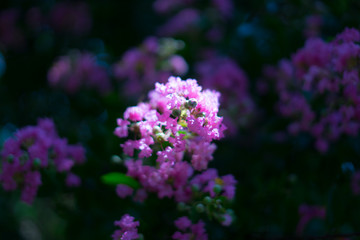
(200, 208)
(116, 159)
(207, 200)
(200, 114)
(175, 113)
(160, 137)
(181, 206)
(191, 103)
(217, 188)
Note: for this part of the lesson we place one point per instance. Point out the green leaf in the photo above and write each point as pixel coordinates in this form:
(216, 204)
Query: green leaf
(115, 178)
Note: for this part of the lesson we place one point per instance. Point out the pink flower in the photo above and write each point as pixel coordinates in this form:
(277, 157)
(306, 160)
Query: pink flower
(79, 70)
(31, 149)
(128, 228)
(153, 61)
(73, 180)
(189, 230)
(321, 75)
(123, 190)
(122, 129)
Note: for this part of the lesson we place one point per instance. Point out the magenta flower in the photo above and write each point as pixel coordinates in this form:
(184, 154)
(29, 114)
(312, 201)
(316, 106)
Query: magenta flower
(189, 231)
(180, 119)
(35, 148)
(155, 60)
(79, 70)
(123, 190)
(128, 228)
(318, 90)
(225, 76)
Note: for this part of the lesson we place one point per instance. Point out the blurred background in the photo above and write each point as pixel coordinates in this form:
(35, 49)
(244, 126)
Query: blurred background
(82, 63)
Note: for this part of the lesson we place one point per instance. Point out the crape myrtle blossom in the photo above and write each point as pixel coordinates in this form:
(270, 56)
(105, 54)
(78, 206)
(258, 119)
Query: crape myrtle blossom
(128, 228)
(170, 143)
(318, 88)
(79, 70)
(32, 149)
(188, 231)
(224, 75)
(179, 119)
(155, 60)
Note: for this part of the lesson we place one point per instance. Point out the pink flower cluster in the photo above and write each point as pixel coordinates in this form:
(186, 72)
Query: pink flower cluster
(188, 230)
(225, 76)
(128, 228)
(79, 70)
(318, 88)
(169, 141)
(179, 122)
(154, 60)
(34, 148)
(207, 180)
(185, 17)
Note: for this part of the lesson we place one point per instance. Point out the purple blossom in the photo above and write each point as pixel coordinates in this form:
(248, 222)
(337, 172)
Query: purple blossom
(189, 230)
(207, 180)
(123, 190)
(223, 75)
(153, 61)
(32, 149)
(185, 117)
(79, 70)
(128, 228)
(225, 7)
(318, 90)
(73, 180)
